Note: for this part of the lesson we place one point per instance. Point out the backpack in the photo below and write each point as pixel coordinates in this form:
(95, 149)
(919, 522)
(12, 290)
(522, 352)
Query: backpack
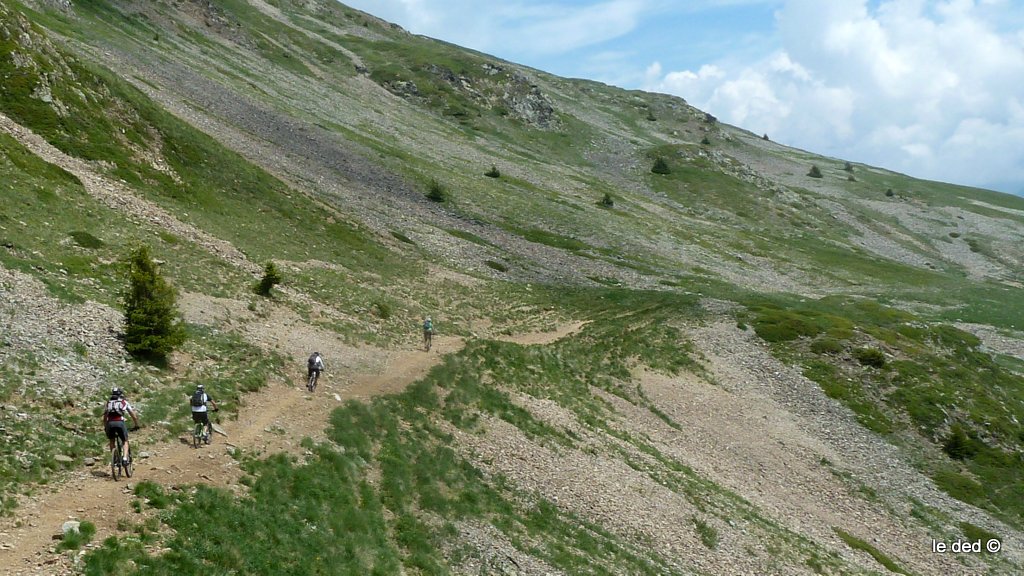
(115, 409)
(312, 364)
(198, 398)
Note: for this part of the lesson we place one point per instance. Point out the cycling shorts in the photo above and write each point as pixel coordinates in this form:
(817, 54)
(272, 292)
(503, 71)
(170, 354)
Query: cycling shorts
(116, 428)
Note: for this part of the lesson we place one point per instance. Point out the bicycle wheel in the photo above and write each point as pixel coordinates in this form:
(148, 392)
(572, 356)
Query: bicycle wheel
(311, 385)
(115, 459)
(197, 433)
(130, 468)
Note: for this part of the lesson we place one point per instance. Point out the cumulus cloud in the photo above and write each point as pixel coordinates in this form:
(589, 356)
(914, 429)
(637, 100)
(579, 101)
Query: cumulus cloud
(927, 88)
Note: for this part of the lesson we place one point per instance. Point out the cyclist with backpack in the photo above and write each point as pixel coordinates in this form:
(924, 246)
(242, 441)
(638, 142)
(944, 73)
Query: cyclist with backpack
(200, 415)
(113, 419)
(314, 366)
(428, 333)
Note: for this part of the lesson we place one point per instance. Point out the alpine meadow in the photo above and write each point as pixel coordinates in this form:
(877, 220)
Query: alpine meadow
(662, 344)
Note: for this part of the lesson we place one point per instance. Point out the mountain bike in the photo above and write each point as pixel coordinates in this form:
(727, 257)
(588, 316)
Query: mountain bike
(201, 433)
(118, 464)
(311, 384)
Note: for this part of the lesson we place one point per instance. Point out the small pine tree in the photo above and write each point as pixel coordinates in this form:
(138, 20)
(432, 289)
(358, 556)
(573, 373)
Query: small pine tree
(650, 115)
(959, 445)
(493, 172)
(848, 167)
(705, 141)
(765, 137)
(271, 278)
(153, 327)
(890, 193)
(607, 201)
(815, 172)
(660, 166)
(436, 191)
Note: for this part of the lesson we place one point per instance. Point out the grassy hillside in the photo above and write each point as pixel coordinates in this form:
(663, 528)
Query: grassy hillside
(227, 135)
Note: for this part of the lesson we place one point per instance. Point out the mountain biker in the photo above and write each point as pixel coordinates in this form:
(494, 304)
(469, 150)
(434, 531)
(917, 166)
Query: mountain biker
(428, 332)
(200, 415)
(314, 364)
(113, 419)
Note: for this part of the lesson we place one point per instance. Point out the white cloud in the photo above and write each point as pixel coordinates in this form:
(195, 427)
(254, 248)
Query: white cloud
(927, 88)
(524, 27)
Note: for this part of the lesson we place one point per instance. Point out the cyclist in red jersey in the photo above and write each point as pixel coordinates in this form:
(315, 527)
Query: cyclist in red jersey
(113, 418)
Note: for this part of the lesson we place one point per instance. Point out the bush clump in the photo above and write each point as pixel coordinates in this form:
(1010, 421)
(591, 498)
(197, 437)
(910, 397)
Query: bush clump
(607, 201)
(153, 327)
(401, 237)
(382, 309)
(660, 166)
(826, 346)
(436, 191)
(815, 172)
(496, 265)
(493, 172)
(86, 240)
(271, 278)
(870, 357)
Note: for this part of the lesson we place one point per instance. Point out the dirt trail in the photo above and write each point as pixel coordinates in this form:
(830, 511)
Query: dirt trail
(275, 419)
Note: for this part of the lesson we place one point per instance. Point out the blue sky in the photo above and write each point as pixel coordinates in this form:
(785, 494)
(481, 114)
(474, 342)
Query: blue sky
(934, 89)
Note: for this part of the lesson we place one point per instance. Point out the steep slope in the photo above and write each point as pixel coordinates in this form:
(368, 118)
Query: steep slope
(816, 416)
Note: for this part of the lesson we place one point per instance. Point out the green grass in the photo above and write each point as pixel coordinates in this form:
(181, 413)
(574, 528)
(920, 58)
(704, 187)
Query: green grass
(400, 523)
(708, 534)
(938, 370)
(75, 539)
(552, 239)
(468, 236)
(324, 510)
(228, 196)
(71, 423)
(864, 546)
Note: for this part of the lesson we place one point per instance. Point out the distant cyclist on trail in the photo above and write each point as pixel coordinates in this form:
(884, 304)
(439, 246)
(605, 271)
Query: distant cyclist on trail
(428, 333)
(315, 365)
(113, 419)
(200, 415)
